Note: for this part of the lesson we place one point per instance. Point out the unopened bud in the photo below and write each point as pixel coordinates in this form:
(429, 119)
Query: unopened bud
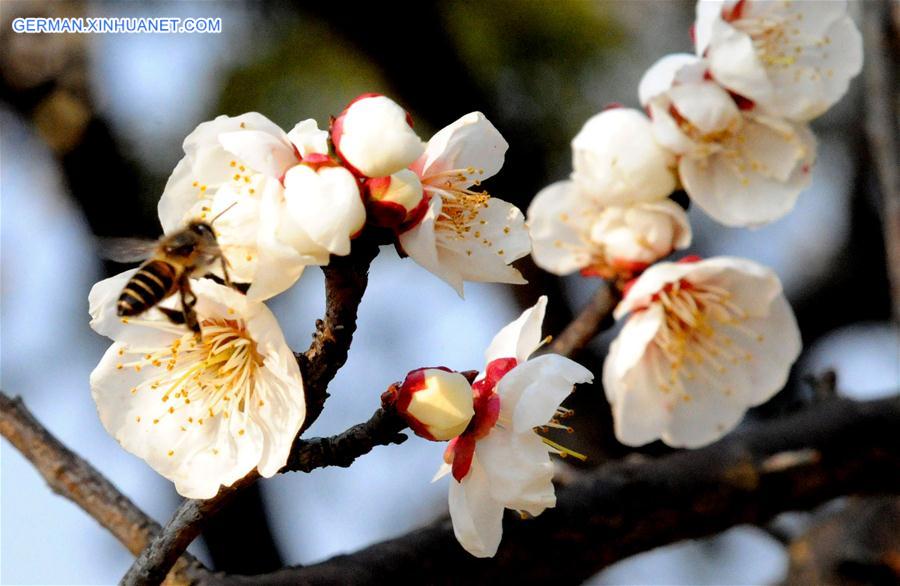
(374, 137)
(393, 199)
(436, 403)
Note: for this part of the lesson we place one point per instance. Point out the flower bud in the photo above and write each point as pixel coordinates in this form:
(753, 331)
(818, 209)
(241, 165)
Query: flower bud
(393, 199)
(617, 161)
(634, 237)
(436, 402)
(374, 137)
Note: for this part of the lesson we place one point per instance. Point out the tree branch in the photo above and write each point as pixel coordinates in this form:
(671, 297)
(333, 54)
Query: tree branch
(880, 74)
(595, 316)
(835, 448)
(346, 279)
(73, 478)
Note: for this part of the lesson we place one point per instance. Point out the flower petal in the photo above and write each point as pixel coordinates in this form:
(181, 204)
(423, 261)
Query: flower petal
(751, 285)
(308, 139)
(661, 75)
(420, 243)
(497, 237)
(520, 338)
(326, 204)
(531, 392)
(477, 517)
(519, 470)
(559, 219)
(743, 194)
(629, 347)
(261, 151)
(641, 411)
(471, 142)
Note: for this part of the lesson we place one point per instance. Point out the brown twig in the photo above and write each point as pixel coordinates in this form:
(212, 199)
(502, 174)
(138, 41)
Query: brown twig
(595, 317)
(346, 279)
(73, 478)
(834, 448)
(881, 76)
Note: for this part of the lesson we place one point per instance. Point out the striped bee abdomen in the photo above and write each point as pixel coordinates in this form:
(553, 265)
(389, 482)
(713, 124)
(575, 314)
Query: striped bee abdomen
(153, 282)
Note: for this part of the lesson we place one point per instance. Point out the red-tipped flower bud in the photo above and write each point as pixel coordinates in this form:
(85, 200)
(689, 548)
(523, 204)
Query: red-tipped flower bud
(374, 137)
(393, 199)
(436, 402)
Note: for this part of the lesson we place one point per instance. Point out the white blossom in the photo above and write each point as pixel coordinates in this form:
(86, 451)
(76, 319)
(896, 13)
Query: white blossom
(704, 342)
(464, 234)
(234, 164)
(616, 160)
(791, 58)
(570, 231)
(203, 414)
(501, 462)
(742, 167)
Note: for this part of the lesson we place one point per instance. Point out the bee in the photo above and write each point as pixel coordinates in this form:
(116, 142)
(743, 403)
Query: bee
(170, 263)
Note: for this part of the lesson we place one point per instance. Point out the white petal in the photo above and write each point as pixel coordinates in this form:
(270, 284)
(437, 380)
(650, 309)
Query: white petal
(666, 130)
(477, 517)
(326, 204)
(769, 356)
(519, 470)
(279, 264)
(497, 237)
(707, 12)
(470, 142)
(420, 243)
(308, 139)
(820, 76)
(746, 195)
(442, 471)
(520, 338)
(266, 153)
(631, 344)
(641, 411)
(751, 285)
(559, 219)
(661, 75)
(707, 106)
(701, 416)
(544, 382)
(617, 161)
(206, 134)
(734, 62)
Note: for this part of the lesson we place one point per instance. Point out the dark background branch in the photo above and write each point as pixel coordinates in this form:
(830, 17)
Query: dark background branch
(834, 448)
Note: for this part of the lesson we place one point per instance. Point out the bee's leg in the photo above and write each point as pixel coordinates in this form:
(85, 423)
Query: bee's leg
(225, 270)
(175, 316)
(188, 301)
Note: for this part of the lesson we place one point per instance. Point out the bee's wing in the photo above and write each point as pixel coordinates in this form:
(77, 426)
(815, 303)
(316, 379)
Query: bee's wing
(126, 250)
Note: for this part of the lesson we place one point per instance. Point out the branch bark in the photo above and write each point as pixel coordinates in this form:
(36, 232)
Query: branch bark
(73, 478)
(835, 448)
(346, 279)
(881, 75)
(595, 317)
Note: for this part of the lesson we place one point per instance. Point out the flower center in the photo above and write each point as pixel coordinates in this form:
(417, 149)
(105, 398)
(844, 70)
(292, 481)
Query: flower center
(778, 43)
(703, 335)
(220, 373)
(460, 204)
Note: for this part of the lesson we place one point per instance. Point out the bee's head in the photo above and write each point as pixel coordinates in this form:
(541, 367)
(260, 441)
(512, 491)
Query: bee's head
(202, 229)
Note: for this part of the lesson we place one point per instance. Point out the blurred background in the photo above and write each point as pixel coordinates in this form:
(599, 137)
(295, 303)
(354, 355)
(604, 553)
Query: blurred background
(92, 125)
